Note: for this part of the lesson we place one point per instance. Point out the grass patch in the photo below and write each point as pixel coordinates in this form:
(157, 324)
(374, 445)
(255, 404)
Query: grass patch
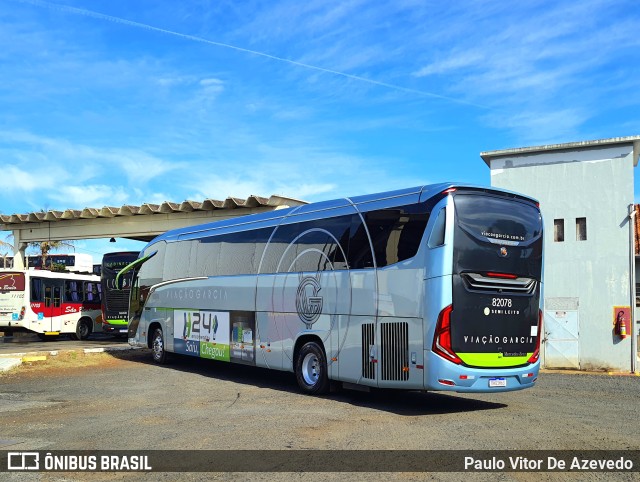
(67, 361)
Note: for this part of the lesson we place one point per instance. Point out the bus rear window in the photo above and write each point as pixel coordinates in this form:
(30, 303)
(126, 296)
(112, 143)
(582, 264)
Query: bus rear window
(504, 220)
(11, 281)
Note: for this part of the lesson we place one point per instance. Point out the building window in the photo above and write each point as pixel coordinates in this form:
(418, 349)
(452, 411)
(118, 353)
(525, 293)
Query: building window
(558, 230)
(581, 229)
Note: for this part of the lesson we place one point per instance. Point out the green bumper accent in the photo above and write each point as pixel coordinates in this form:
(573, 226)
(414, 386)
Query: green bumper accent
(115, 322)
(493, 359)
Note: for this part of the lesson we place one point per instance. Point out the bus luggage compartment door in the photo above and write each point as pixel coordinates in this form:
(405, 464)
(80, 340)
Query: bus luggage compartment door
(399, 353)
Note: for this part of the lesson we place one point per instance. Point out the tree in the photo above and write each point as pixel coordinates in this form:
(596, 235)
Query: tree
(6, 250)
(6, 245)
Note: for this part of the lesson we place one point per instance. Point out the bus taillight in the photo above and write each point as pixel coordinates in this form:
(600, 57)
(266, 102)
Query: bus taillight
(442, 338)
(536, 353)
(22, 312)
(491, 274)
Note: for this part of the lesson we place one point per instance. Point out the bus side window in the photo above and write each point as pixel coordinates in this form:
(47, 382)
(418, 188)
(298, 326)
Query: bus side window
(360, 255)
(437, 234)
(396, 233)
(92, 292)
(37, 293)
(57, 295)
(71, 291)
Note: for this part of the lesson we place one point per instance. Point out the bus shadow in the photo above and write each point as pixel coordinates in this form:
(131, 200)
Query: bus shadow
(398, 402)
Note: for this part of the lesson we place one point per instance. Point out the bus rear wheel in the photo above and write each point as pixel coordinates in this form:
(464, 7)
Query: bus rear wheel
(157, 347)
(311, 369)
(83, 330)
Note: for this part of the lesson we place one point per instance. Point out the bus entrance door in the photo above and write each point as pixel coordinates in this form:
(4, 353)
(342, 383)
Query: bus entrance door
(52, 305)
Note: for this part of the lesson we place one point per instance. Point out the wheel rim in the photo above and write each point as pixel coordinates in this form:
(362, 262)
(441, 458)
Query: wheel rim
(311, 369)
(158, 347)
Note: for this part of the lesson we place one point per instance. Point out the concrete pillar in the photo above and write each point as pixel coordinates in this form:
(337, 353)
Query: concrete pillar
(19, 249)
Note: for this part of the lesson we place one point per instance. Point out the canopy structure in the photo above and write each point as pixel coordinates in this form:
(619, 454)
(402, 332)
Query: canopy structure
(141, 223)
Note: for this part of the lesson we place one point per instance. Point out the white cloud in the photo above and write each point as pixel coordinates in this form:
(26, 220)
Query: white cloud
(540, 127)
(92, 195)
(455, 61)
(47, 172)
(139, 167)
(15, 179)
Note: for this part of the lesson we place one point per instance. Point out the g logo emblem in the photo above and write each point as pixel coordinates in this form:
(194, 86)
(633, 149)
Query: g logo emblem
(503, 252)
(308, 303)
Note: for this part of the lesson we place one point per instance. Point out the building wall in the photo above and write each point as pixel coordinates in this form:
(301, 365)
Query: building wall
(590, 276)
(637, 303)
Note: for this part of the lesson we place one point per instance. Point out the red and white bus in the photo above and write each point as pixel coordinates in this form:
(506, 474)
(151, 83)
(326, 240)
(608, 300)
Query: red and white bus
(49, 303)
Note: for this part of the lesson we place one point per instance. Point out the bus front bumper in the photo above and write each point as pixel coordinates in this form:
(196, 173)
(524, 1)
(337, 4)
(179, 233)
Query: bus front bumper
(444, 375)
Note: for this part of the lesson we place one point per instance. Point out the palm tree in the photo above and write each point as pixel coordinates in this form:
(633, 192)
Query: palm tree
(46, 246)
(6, 249)
(43, 247)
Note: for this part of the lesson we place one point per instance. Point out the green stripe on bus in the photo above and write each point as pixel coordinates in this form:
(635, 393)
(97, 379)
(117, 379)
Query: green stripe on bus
(115, 322)
(493, 359)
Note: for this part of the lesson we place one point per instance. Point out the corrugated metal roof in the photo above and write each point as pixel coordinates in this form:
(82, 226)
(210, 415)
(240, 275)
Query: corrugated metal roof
(146, 209)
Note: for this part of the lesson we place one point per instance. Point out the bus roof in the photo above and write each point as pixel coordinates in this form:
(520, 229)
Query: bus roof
(271, 218)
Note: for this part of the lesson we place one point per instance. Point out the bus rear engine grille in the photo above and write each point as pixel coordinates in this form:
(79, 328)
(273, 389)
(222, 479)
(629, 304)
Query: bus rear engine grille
(368, 342)
(478, 282)
(394, 353)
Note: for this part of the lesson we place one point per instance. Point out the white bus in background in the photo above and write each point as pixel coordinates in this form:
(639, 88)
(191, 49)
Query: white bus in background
(49, 303)
(76, 262)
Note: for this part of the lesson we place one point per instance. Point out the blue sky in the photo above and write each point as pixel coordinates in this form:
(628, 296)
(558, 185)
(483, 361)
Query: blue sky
(105, 103)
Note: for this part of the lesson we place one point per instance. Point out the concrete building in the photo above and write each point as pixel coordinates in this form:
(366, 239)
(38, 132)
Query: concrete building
(586, 196)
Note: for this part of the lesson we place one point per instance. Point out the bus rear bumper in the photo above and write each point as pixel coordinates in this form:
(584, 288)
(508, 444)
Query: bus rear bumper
(443, 375)
(114, 329)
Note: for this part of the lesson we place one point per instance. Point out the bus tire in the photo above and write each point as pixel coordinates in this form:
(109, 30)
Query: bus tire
(158, 351)
(83, 330)
(311, 369)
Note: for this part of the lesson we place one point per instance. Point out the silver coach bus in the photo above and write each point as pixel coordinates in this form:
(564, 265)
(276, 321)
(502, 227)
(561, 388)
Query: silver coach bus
(431, 288)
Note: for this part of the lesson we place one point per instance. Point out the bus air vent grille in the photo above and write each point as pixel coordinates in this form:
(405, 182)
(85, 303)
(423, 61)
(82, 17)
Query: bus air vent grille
(394, 351)
(118, 300)
(478, 282)
(368, 341)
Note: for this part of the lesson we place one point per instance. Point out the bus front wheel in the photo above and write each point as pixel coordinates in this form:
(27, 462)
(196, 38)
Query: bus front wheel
(157, 347)
(311, 369)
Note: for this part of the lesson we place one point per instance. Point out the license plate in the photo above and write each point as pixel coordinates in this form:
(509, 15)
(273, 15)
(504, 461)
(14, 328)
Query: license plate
(497, 382)
(124, 330)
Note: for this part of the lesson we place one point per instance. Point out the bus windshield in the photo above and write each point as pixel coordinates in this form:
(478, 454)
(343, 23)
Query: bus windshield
(498, 219)
(496, 233)
(115, 291)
